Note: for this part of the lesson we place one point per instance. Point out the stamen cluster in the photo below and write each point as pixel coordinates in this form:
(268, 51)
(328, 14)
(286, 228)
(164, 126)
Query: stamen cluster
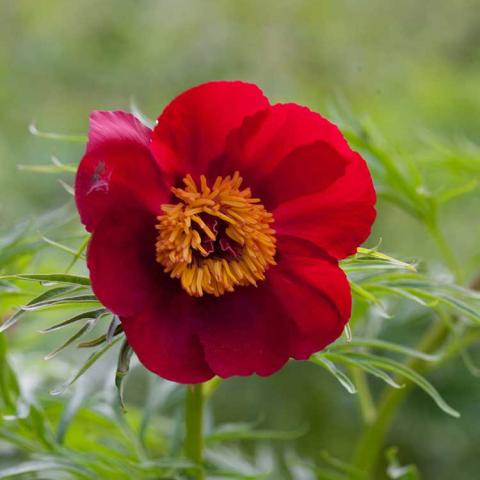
(215, 238)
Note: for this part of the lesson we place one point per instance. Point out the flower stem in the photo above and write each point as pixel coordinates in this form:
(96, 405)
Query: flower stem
(365, 399)
(370, 444)
(194, 427)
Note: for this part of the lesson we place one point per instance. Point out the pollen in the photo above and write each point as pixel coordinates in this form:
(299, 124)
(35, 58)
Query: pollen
(217, 237)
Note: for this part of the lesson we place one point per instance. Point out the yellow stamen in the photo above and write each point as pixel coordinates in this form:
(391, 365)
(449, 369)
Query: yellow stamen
(216, 238)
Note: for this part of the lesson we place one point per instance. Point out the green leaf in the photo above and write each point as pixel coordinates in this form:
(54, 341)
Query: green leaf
(38, 424)
(72, 300)
(112, 328)
(462, 307)
(52, 293)
(376, 372)
(350, 266)
(90, 361)
(364, 294)
(101, 339)
(34, 467)
(51, 277)
(386, 346)
(48, 168)
(67, 187)
(78, 253)
(399, 292)
(335, 371)
(82, 331)
(81, 316)
(123, 366)
(9, 388)
(409, 374)
(56, 136)
(372, 253)
(18, 440)
(60, 246)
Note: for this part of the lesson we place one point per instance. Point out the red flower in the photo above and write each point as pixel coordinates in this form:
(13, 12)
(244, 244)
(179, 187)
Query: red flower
(216, 236)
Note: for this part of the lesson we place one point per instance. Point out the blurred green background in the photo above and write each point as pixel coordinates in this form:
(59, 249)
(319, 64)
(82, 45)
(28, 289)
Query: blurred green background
(412, 67)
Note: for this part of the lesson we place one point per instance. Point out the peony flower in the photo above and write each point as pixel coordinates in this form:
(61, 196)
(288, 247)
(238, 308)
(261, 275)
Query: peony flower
(216, 236)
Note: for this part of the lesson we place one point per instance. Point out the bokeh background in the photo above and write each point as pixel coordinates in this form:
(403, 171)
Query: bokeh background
(412, 68)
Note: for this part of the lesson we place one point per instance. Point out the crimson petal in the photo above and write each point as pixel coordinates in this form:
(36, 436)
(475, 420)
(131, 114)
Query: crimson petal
(245, 332)
(164, 338)
(192, 130)
(305, 171)
(121, 259)
(339, 218)
(265, 139)
(117, 168)
(314, 291)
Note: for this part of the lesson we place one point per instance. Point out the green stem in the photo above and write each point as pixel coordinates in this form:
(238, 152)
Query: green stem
(365, 399)
(370, 444)
(194, 427)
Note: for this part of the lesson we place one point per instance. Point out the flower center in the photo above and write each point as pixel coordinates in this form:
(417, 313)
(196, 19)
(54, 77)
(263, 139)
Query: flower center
(215, 238)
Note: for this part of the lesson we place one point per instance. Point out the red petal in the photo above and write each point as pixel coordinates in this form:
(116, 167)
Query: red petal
(121, 258)
(314, 291)
(192, 130)
(164, 339)
(269, 137)
(337, 219)
(307, 170)
(245, 332)
(302, 307)
(117, 168)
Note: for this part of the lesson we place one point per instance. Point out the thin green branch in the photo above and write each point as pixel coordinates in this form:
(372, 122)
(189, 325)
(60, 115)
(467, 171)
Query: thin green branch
(370, 444)
(364, 395)
(194, 427)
